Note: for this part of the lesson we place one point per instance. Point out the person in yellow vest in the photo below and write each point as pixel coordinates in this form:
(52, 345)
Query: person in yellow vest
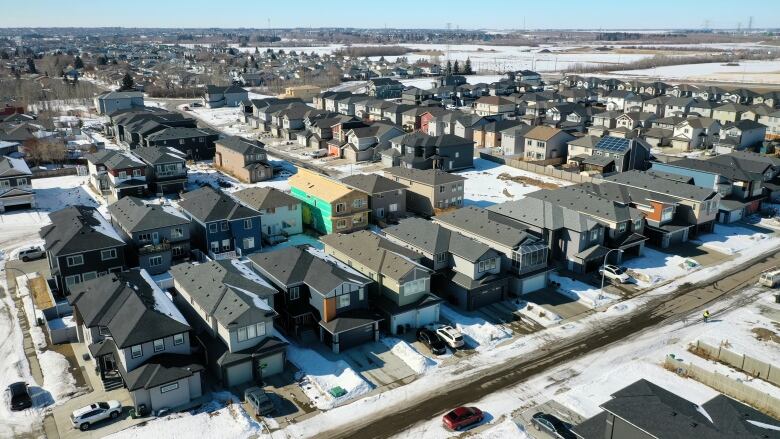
(706, 315)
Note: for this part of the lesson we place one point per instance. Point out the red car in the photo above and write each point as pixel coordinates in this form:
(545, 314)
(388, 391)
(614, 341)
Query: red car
(462, 417)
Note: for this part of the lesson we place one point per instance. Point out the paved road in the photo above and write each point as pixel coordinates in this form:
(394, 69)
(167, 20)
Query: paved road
(659, 311)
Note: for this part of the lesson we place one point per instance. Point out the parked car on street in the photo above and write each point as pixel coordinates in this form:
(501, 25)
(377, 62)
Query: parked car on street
(431, 341)
(615, 273)
(259, 401)
(31, 253)
(85, 417)
(462, 417)
(552, 425)
(316, 153)
(451, 336)
(18, 396)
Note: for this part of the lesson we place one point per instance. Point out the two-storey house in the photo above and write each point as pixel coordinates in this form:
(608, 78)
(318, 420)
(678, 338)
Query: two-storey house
(328, 205)
(429, 191)
(15, 184)
(386, 197)
(166, 169)
(244, 159)
(282, 214)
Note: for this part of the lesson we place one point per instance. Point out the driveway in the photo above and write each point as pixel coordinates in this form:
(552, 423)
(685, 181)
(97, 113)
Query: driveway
(553, 408)
(557, 303)
(377, 364)
(62, 414)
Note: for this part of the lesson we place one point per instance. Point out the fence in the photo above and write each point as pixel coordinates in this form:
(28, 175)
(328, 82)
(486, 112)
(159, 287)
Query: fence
(735, 389)
(749, 365)
(45, 173)
(542, 170)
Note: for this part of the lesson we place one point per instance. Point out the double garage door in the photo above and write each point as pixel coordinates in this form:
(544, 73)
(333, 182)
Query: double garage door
(356, 337)
(486, 297)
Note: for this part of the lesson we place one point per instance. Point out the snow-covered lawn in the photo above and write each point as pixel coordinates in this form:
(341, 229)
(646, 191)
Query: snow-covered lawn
(592, 297)
(477, 332)
(228, 119)
(491, 183)
(403, 350)
(654, 267)
(730, 239)
(203, 173)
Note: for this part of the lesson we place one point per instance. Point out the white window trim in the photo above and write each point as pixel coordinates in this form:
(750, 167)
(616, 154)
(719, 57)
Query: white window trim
(154, 345)
(140, 351)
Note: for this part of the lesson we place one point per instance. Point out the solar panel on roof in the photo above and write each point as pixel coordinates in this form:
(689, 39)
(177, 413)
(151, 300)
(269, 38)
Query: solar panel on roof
(613, 144)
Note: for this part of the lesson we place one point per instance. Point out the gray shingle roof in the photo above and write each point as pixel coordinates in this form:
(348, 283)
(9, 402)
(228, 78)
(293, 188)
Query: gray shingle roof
(155, 155)
(208, 204)
(730, 172)
(436, 239)
(162, 369)
(76, 229)
(376, 253)
(659, 184)
(265, 198)
(134, 215)
(241, 145)
(479, 222)
(372, 183)
(430, 177)
(543, 214)
(578, 199)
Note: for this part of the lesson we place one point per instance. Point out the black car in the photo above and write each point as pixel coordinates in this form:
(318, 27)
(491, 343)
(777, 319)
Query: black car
(552, 425)
(18, 396)
(432, 341)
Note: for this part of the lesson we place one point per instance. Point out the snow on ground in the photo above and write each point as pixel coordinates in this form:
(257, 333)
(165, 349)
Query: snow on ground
(294, 240)
(55, 193)
(490, 183)
(426, 83)
(537, 313)
(730, 239)
(745, 71)
(592, 297)
(403, 350)
(502, 430)
(227, 119)
(477, 332)
(202, 173)
(654, 267)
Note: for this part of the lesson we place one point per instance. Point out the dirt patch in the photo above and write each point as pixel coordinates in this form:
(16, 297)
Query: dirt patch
(37, 286)
(528, 181)
(763, 334)
(507, 194)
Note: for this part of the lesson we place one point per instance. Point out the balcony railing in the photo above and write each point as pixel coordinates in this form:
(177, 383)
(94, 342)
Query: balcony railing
(154, 248)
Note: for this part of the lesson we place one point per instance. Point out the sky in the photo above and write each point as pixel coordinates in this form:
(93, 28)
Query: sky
(466, 14)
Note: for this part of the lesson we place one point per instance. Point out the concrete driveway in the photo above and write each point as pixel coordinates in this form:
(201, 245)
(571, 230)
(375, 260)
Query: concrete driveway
(377, 364)
(553, 408)
(62, 415)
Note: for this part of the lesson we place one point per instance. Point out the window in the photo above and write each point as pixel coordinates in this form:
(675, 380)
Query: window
(169, 387)
(441, 257)
(21, 181)
(89, 276)
(380, 212)
(136, 351)
(361, 295)
(72, 280)
(144, 237)
(178, 339)
(213, 228)
(181, 141)
(342, 301)
(159, 345)
(5, 184)
(622, 227)
(341, 207)
(155, 261)
(249, 243)
(75, 260)
(136, 172)
(594, 235)
(108, 254)
(177, 232)
(247, 224)
(176, 251)
(249, 332)
(357, 203)
(224, 226)
(357, 219)
(122, 174)
(214, 246)
(225, 244)
(340, 224)
(103, 330)
(441, 189)
(294, 293)
(393, 207)
(637, 224)
(414, 287)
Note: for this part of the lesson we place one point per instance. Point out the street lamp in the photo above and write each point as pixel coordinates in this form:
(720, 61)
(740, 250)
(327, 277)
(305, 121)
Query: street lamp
(604, 269)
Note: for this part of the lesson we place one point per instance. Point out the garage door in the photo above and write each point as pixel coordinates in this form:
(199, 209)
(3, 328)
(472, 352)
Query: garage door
(735, 216)
(486, 297)
(534, 283)
(356, 337)
(270, 365)
(407, 319)
(428, 315)
(239, 374)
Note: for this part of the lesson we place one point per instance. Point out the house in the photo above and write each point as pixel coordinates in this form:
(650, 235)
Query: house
(628, 154)
(679, 106)
(320, 297)
(328, 205)
(695, 133)
(385, 88)
(467, 272)
(116, 173)
(582, 147)
(494, 106)
(138, 338)
(730, 112)
(429, 191)
(281, 212)
(523, 254)
(15, 185)
(513, 140)
(195, 143)
(447, 152)
(386, 197)
(244, 159)
(224, 96)
(545, 143)
(365, 142)
(81, 245)
(112, 101)
(644, 410)
(402, 286)
(158, 235)
(303, 92)
(166, 169)
(232, 310)
(742, 134)
(221, 226)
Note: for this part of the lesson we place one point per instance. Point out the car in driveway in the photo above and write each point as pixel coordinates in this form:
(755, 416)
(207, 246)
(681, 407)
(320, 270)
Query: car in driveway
(259, 401)
(31, 253)
(451, 336)
(18, 396)
(552, 426)
(462, 417)
(431, 341)
(87, 416)
(615, 273)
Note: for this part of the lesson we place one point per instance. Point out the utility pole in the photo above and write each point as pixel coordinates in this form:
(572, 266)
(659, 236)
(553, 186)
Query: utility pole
(750, 24)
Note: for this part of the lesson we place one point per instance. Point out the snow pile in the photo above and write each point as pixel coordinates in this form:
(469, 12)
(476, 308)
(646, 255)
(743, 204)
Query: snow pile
(654, 267)
(477, 332)
(504, 429)
(731, 239)
(537, 313)
(591, 297)
(319, 375)
(401, 349)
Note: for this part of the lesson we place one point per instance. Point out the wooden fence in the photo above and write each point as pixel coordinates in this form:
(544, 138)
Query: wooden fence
(547, 170)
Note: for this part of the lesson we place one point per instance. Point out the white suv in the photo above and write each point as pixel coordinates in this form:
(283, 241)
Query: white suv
(99, 411)
(30, 253)
(615, 273)
(451, 336)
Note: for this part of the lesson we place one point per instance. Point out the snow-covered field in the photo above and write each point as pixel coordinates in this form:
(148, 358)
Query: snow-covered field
(730, 239)
(425, 83)
(490, 183)
(228, 119)
(746, 71)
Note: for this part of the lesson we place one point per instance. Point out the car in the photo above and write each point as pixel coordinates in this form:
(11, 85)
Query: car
(462, 417)
(86, 416)
(317, 153)
(259, 400)
(18, 396)
(615, 273)
(31, 253)
(451, 336)
(552, 426)
(431, 341)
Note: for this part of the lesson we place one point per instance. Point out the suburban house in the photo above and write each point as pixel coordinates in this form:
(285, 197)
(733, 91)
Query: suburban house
(303, 92)
(320, 297)
(402, 288)
(513, 139)
(385, 88)
(695, 133)
(232, 310)
(81, 245)
(282, 214)
(112, 101)
(364, 142)
(494, 106)
(728, 113)
(628, 154)
(328, 205)
(194, 143)
(429, 191)
(221, 226)
(224, 96)
(466, 272)
(138, 339)
(447, 152)
(166, 169)
(742, 134)
(544, 143)
(386, 197)
(116, 174)
(244, 159)
(15, 185)
(158, 235)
